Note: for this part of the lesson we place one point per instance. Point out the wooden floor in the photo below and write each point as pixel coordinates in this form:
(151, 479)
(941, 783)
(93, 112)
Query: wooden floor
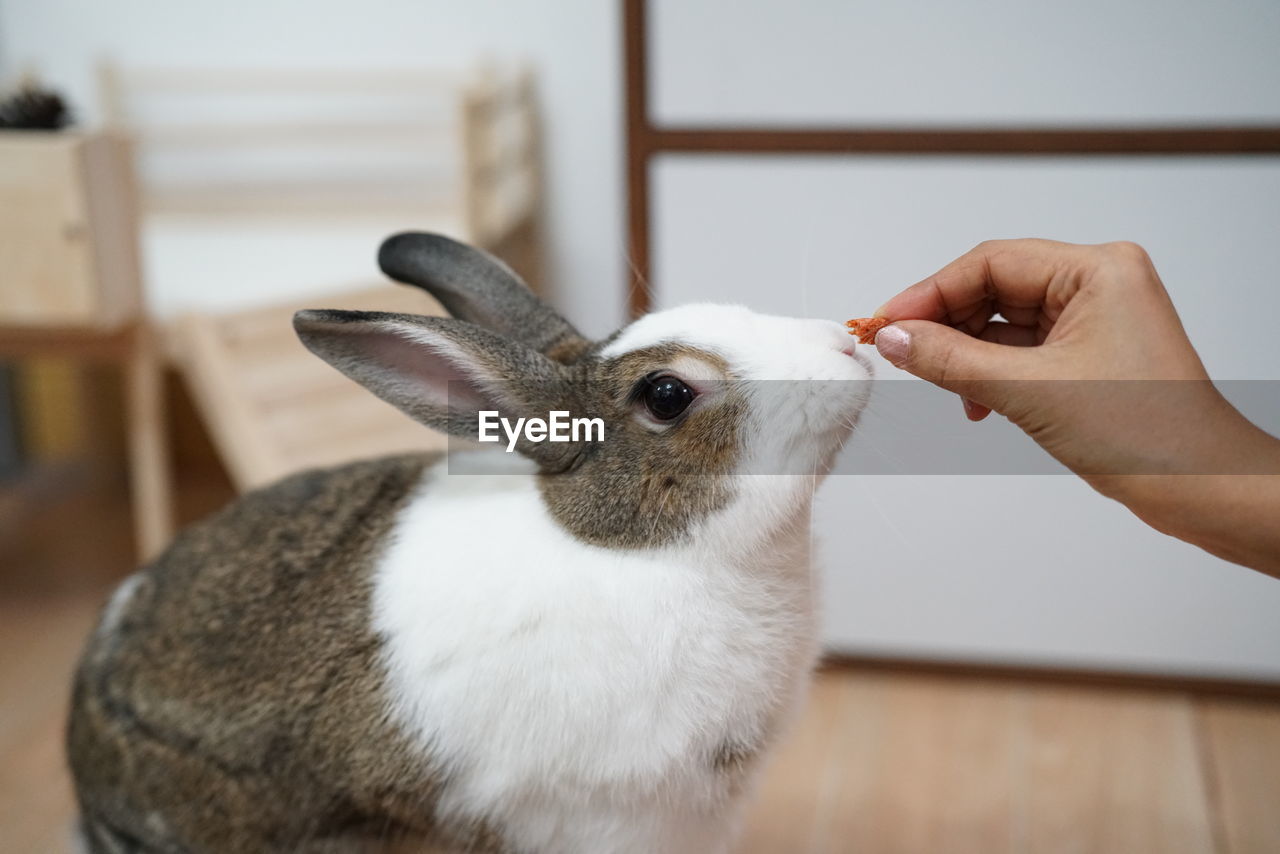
(896, 762)
(881, 761)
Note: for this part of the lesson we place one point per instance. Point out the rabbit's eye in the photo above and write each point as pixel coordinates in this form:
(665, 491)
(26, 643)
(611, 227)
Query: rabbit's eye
(666, 397)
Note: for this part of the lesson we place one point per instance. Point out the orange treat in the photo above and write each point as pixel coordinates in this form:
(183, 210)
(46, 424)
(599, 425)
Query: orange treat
(866, 328)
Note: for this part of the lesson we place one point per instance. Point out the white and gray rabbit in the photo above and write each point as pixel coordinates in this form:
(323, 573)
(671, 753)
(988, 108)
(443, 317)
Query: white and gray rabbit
(583, 648)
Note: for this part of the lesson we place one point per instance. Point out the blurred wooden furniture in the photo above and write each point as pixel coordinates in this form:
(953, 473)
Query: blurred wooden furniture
(70, 286)
(273, 408)
(267, 191)
(222, 149)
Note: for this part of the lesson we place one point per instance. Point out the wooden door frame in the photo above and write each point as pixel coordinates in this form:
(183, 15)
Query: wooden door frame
(646, 140)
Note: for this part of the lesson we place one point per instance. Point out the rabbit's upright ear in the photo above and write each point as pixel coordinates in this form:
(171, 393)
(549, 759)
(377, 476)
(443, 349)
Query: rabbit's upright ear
(475, 286)
(443, 372)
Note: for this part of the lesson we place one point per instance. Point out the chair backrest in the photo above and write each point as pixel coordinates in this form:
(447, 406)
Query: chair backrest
(404, 144)
(500, 153)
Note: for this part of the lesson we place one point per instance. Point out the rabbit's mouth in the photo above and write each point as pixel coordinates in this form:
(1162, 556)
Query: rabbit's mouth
(851, 350)
(838, 404)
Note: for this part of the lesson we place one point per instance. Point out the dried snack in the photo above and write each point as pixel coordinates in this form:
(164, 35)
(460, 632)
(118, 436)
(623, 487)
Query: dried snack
(866, 328)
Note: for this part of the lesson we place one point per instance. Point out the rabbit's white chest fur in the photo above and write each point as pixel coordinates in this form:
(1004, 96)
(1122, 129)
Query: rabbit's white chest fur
(577, 697)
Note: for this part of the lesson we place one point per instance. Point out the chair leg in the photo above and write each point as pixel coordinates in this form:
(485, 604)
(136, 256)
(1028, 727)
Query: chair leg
(150, 474)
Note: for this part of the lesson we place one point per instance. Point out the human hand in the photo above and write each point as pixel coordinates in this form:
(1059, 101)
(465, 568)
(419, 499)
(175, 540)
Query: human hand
(1080, 325)
(1091, 361)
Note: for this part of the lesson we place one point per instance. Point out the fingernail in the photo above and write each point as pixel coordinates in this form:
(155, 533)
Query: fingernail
(894, 343)
(974, 411)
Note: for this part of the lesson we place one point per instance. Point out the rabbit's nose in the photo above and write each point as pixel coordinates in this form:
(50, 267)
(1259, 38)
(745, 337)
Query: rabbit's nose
(830, 333)
(840, 338)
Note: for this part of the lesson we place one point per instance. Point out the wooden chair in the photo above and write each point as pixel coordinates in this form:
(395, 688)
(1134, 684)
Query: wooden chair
(280, 153)
(311, 170)
(272, 408)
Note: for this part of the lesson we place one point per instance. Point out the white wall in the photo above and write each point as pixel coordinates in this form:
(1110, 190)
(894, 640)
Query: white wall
(1028, 569)
(572, 43)
(979, 62)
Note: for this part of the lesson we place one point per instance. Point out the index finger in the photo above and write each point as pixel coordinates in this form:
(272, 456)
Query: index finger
(1004, 273)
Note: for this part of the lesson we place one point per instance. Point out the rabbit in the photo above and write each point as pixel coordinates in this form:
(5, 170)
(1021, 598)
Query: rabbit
(577, 648)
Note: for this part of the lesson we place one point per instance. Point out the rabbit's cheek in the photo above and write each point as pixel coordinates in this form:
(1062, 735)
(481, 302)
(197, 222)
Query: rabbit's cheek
(645, 489)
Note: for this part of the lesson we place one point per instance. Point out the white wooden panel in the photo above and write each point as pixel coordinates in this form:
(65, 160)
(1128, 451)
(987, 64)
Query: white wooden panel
(987, 62)
(1016, 568)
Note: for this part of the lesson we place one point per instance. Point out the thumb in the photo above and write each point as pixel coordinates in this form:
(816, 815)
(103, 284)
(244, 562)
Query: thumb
(952, 360)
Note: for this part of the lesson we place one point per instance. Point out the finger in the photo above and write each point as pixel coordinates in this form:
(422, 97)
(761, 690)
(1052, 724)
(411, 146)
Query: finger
(1019, 315)
(1011, 334)
(953, 360)
(975, 411)
(975, 320)
(1013, 273)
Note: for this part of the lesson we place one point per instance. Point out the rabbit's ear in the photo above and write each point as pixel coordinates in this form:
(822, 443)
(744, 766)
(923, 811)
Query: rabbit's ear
(443, 372)
(475, 286)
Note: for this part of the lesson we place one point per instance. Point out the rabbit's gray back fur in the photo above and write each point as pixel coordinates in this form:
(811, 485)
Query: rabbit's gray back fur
(234, 687)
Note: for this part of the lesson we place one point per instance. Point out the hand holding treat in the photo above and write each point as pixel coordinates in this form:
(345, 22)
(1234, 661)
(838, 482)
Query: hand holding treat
(1043, 332)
